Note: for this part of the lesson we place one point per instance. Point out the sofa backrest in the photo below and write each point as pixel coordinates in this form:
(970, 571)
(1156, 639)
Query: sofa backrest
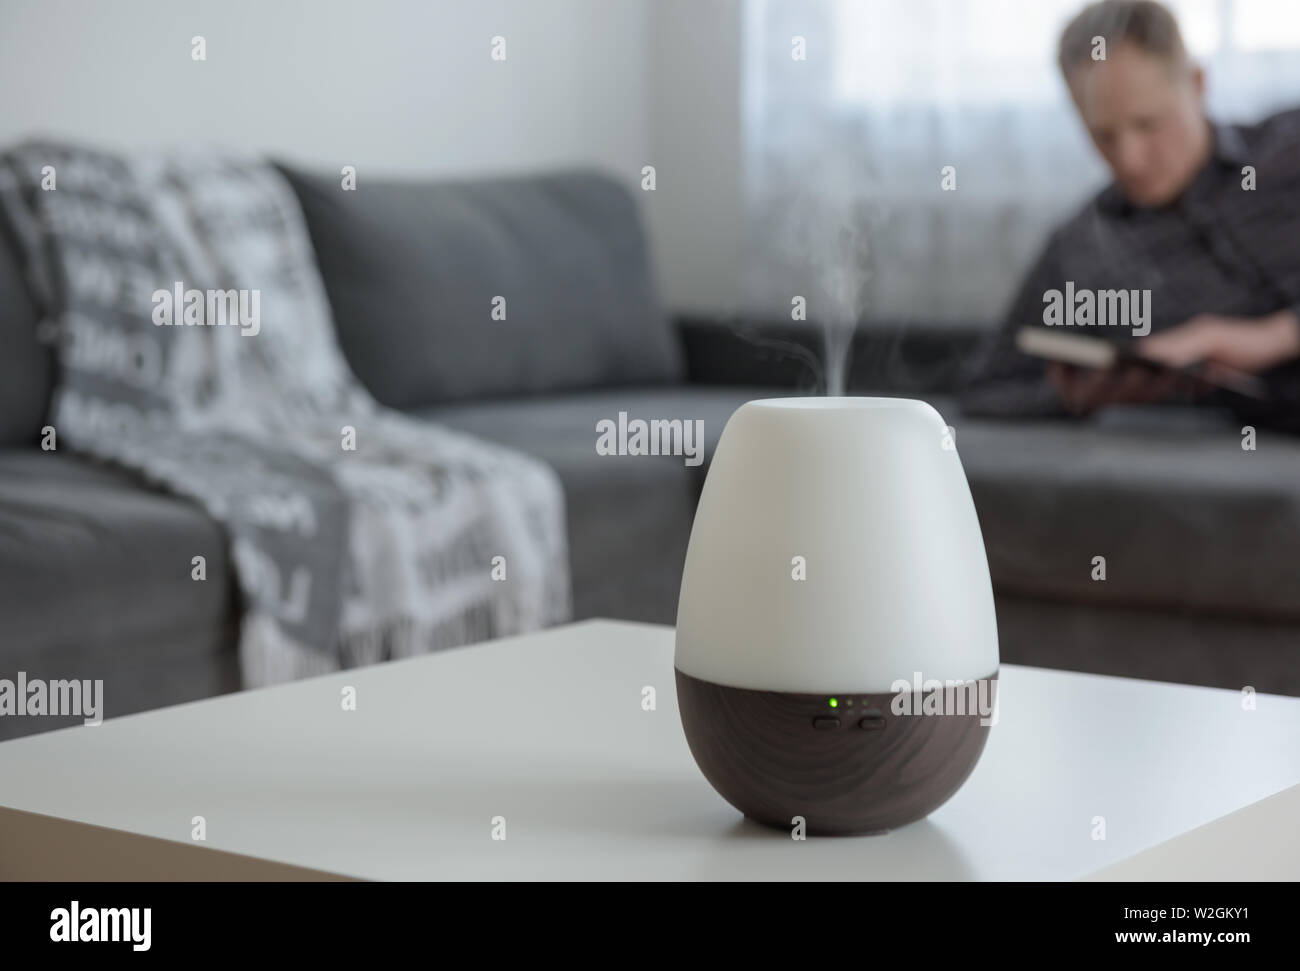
(414, 269)
(26, 364)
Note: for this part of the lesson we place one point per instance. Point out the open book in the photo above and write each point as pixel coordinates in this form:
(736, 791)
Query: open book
(1100, 354)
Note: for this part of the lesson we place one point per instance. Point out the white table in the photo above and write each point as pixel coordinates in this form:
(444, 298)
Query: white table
(1260, 842)
(548, 731)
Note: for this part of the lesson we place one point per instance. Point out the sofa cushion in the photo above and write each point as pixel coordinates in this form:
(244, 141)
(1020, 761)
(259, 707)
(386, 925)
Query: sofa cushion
(95, 565)
(1185, 518)
(26, 364)
(412, 270)
(629, 516)
(1149, 643)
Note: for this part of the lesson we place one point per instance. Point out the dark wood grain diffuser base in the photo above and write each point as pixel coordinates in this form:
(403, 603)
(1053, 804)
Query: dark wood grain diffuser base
(769, 755)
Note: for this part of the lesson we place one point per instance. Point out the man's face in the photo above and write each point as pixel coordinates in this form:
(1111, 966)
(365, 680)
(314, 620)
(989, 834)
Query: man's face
(1147, 119)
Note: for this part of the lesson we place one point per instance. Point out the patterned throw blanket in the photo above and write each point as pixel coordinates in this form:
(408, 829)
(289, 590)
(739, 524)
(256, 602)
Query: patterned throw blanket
(196, 348)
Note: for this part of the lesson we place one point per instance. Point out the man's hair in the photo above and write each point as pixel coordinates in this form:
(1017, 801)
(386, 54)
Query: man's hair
(1145, 23)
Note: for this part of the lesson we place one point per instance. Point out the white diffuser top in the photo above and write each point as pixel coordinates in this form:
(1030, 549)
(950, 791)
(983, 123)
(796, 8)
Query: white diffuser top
(866, 499)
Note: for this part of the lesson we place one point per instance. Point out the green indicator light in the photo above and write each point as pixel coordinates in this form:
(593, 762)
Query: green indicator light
(834, 702)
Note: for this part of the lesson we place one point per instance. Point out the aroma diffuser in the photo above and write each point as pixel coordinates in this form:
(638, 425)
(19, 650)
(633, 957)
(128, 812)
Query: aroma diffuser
(835, 572)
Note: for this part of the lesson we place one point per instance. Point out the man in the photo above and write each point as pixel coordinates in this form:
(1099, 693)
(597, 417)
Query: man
(1205, 216)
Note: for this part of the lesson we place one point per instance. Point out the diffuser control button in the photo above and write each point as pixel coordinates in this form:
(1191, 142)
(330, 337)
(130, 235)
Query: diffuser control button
(872, 723)
(825, 722)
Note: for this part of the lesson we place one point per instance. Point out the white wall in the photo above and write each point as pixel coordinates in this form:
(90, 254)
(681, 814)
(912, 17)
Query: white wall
(400, 85)
(408, 87)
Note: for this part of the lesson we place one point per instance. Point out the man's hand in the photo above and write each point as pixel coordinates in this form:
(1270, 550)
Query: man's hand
(1236, 342)
(1084, 390)
(1243, 344)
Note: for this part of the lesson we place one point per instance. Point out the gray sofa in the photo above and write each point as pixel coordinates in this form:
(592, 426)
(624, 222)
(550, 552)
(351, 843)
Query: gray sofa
(1202, 540)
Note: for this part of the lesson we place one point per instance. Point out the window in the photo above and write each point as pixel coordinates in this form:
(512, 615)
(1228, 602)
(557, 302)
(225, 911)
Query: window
(855, 137)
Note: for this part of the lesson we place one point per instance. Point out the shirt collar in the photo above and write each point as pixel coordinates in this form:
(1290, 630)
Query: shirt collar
(1229, 146)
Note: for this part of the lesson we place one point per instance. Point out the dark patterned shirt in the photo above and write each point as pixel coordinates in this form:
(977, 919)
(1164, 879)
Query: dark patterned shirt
(1222, 248)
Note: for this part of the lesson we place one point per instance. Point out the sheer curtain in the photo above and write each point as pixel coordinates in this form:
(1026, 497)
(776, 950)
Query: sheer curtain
(846, 149)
